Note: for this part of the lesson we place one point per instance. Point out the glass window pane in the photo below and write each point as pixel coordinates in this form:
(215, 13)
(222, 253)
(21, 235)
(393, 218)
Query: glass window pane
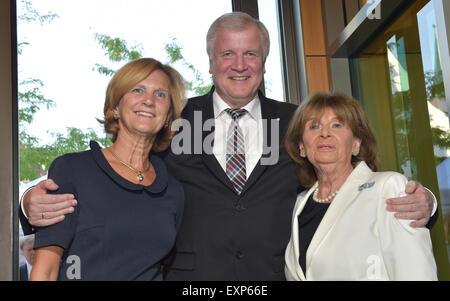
(60, 57)
(273, 79)
(404, 98)
(64, 65)
(437, 107)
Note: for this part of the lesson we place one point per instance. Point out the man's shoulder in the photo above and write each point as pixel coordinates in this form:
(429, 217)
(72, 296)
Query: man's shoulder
(196, 99)
(283, 110)
(281, 104)
(195, 104)
(200, 102)
(76, 159)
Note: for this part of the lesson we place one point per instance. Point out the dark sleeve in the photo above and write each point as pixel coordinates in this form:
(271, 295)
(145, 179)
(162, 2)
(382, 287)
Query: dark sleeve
(180, 209)
(62, 233)
(433, 220)
(26, 226)
(178, 218)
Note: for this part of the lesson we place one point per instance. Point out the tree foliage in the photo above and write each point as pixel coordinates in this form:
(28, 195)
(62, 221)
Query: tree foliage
(31, 99)
(197, 85)
(32, 15)
(117, 50)
(35, 159)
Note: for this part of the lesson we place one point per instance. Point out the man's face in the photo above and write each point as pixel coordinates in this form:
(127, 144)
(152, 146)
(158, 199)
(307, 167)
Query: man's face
(237, 65)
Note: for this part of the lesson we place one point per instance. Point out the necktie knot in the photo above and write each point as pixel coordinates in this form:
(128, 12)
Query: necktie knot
(236, 113)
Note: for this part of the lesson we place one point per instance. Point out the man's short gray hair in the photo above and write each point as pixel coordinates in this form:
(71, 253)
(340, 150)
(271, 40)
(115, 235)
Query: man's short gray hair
(237, 21)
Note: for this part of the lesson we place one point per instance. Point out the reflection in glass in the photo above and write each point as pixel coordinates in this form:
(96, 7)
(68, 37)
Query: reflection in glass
(401, 109)
(437, 108)
(403, 95)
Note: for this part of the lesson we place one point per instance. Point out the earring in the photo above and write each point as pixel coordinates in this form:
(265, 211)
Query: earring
(116, 116)
(355, 152)
(166, 125)
(302, 153)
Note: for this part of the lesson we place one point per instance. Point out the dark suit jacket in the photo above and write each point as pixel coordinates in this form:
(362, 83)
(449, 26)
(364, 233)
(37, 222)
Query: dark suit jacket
(225, 236)
(23, 272)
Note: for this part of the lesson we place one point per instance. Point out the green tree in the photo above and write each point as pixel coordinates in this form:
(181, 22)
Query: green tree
(434, 84)
(32, 15)
(30, 100)
(117, 50)
(197, 85)
(35, 159)
(30, 96)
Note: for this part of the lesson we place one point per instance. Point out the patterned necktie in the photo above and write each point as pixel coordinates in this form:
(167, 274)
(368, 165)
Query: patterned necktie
(235, 168)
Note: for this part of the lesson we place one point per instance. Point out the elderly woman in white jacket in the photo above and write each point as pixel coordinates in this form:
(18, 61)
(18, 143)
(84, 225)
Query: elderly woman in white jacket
(340, 227)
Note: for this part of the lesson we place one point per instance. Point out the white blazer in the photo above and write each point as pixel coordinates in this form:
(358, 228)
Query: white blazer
(358, 239)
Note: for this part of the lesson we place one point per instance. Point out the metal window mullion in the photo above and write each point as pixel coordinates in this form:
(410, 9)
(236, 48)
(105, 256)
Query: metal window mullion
(291, 36)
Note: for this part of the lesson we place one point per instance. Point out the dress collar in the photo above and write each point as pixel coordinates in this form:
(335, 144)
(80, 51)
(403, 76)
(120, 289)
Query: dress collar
(159, 184)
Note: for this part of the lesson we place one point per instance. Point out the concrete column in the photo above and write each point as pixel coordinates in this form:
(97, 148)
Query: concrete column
(8, 222)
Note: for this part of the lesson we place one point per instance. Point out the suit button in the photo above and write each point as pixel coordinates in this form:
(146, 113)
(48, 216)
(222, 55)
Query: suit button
(239, 255)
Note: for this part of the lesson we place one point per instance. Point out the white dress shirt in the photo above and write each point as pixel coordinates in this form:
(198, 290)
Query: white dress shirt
(252, 129)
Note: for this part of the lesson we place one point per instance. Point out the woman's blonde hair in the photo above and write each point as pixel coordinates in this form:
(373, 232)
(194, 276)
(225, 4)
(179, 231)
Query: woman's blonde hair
(129, 76)
(349, 112)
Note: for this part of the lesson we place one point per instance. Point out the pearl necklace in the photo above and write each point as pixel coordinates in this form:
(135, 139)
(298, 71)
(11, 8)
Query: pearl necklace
(325, 200)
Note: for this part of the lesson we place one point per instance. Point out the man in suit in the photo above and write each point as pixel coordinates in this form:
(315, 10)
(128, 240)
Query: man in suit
(26, 244)
(239, 181)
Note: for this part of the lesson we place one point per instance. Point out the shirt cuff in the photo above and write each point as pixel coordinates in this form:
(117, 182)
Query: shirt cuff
(21, 201)
(434, 203)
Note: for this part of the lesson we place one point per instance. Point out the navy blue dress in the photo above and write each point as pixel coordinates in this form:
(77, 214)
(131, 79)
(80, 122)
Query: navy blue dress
(119, 230)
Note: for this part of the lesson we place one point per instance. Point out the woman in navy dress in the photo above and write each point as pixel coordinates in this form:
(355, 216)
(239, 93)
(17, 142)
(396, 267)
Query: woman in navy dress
(129, 206)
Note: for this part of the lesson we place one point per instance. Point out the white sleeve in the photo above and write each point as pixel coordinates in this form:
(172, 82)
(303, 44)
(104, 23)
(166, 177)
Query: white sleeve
(407, 252)
(21, 201)
(434, 203)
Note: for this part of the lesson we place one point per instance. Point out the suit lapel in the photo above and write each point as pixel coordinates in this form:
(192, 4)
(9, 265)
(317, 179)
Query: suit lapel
(347, 194)
(269, 112)
(206, 106)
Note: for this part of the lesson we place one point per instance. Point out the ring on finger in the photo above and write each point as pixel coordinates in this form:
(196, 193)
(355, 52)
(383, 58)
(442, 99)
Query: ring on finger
(42, 215)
